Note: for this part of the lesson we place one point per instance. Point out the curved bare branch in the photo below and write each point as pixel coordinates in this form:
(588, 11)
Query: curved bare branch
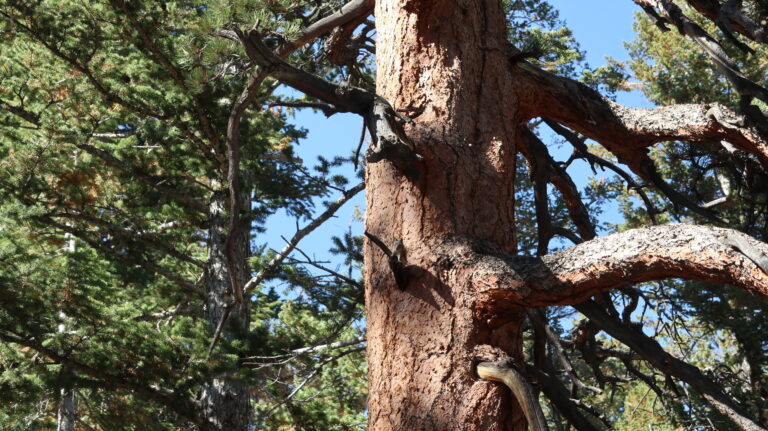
(505, 372)
(628, 132)
(570, 276)
(353, 10)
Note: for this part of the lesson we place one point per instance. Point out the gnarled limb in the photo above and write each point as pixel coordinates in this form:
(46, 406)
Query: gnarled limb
(572, 275)
(389, 140)
(251, 41)
(730, 18)
(628, 132)
(356, 9)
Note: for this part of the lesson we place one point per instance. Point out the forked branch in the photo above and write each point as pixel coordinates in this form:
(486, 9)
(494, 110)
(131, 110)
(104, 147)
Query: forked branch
(389, 140)
(628, 132)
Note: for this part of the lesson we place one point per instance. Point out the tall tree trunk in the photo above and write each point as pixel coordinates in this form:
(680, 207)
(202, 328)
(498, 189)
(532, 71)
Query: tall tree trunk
(225, 403)
(67, 414)
(447, 57)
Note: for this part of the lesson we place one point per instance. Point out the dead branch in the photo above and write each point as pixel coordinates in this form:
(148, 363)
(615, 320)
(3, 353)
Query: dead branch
(572, 275)
(505, 372)
(628, 132)
(276, 261)
(668, 364)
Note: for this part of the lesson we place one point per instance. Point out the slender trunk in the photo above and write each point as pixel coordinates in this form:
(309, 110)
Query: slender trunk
(447, 58)
(225, 403)
(67, 414)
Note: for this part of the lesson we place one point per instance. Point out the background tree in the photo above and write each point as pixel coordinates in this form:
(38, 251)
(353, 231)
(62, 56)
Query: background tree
(115, 119)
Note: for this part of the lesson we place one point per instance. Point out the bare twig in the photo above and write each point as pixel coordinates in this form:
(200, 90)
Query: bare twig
(303, 351)
(270, 267)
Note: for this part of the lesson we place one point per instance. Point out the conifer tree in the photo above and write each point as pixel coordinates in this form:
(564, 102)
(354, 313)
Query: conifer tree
(157, 135)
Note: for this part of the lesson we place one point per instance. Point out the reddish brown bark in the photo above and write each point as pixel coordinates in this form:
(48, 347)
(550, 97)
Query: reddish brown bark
(447, 58)
(450, 61)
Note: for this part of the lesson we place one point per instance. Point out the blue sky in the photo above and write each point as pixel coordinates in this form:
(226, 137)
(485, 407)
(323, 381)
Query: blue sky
(600, 26)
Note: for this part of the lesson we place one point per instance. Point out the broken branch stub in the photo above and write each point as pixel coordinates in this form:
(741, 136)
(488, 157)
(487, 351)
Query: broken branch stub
(389, 140)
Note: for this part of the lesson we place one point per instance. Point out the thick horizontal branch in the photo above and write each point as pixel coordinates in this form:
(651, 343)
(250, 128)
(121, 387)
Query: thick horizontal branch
(627, 132)
(570, 276)
(20, 112)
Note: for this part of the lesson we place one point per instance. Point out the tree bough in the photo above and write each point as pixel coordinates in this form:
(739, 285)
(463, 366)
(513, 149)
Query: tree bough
(692, 252)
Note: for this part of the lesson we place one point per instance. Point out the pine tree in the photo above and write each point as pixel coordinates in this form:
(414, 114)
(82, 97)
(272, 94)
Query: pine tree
(157, 135)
